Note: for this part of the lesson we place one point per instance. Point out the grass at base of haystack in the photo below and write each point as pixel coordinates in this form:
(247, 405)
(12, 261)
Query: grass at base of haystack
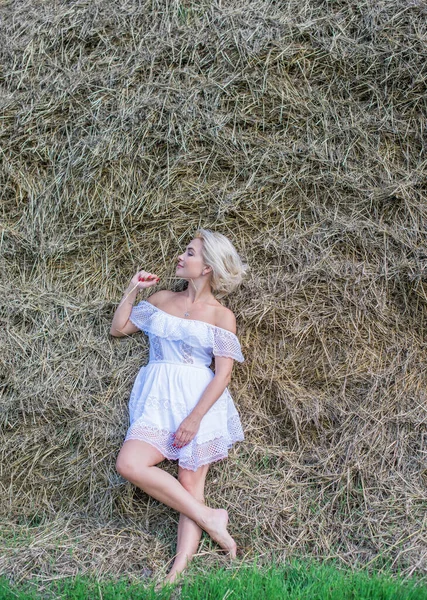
(295, 581)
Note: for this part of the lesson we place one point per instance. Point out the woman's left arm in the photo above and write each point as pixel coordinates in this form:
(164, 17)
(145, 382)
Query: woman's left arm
(190, 425)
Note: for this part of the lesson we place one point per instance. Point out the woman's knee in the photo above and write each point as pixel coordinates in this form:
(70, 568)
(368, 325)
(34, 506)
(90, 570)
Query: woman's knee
(125, 467)
(128, 466)
(134, 458)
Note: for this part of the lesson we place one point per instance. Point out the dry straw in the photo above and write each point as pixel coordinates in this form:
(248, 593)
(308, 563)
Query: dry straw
(298, 130)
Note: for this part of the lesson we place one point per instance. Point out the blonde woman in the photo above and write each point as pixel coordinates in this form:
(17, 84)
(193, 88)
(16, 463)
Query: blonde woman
(179, 408)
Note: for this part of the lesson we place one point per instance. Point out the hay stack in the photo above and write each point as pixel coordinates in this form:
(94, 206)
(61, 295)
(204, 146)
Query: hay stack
(296, 128)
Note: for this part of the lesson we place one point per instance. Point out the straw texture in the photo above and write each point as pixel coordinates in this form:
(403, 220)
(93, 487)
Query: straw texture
(297, 129)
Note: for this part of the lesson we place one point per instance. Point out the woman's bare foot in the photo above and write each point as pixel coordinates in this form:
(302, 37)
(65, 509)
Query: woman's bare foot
(164, 582)
(216, 526)
(173, 574)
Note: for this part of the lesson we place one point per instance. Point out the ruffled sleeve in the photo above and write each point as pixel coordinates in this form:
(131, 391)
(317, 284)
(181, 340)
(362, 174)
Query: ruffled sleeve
(141, 315)
(225, 343)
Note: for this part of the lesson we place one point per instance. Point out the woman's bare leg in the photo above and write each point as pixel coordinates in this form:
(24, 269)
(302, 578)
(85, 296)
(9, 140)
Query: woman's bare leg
(189, 533)
(136, 462)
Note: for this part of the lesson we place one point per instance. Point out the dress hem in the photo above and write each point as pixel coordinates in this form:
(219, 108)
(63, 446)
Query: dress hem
(182, 462)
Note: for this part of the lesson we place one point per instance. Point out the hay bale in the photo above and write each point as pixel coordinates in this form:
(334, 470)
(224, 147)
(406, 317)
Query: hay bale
(296, 129)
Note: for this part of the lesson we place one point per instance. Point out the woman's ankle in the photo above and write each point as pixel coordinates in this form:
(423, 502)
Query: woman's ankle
(207, 518)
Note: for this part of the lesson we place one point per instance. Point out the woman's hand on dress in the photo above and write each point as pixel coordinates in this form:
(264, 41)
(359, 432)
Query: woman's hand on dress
(143, 280)
(186, 431)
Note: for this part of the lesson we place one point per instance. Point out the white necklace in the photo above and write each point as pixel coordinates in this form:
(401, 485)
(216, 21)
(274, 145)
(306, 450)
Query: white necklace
(186, 314)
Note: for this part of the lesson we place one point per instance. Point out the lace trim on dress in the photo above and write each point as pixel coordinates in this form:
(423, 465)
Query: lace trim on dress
(153, 320)
(193, 455)
(157, 347)
(187, 352)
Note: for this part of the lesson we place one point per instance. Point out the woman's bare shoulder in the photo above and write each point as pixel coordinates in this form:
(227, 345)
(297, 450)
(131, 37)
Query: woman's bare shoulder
(160, 297)
(225, 318)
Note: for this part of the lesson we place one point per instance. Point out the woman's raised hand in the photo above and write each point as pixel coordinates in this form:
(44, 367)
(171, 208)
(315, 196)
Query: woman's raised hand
(143, 280)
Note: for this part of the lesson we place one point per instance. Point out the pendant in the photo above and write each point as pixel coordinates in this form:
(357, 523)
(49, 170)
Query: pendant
(186, 314)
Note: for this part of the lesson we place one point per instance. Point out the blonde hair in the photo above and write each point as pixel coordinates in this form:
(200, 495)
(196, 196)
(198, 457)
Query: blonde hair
(227, 267)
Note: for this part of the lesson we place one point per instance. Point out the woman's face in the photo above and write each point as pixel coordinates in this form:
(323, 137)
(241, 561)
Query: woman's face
(190, 263)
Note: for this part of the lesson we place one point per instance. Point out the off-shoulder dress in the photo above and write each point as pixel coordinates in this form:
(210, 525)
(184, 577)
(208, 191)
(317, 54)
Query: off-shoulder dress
(170, 385)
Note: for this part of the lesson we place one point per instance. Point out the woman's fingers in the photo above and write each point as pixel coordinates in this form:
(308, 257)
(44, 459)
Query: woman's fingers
(146, 276)
(146, 279)
(186, 431)
(181, 440)
(181, 443)
(178, 440)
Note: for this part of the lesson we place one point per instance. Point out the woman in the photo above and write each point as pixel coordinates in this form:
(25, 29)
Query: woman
(179, 409)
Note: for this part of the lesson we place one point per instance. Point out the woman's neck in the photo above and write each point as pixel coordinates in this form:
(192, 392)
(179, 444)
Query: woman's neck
(198, 291)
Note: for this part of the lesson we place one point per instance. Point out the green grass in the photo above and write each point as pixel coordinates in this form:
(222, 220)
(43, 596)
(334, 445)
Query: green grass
(296, 581)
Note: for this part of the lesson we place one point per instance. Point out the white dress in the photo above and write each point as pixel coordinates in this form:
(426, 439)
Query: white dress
(167, 389)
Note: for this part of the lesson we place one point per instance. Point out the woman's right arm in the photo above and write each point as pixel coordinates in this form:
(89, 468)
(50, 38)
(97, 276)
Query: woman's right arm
(121, 325)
